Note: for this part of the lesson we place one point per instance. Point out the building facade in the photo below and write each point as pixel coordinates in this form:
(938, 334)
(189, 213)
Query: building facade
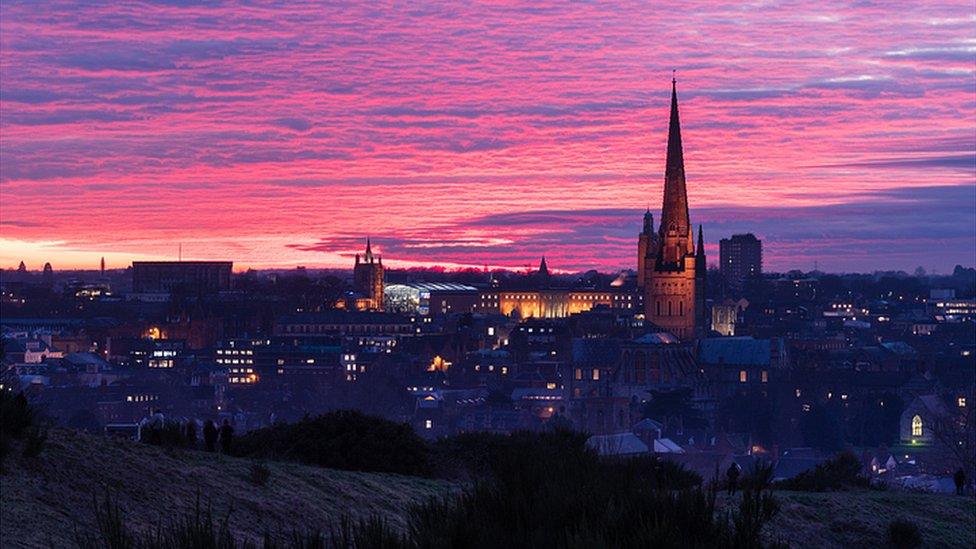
(544, 300)
(740, 260)
(674, 273)
(203, 277)
(647, 240)
(368, 278)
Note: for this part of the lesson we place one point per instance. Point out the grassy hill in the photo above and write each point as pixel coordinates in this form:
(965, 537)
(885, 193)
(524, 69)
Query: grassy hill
(849, 519)
(44, 499)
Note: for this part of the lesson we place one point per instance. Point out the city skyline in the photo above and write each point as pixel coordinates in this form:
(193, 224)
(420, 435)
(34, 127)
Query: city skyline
(285, 136)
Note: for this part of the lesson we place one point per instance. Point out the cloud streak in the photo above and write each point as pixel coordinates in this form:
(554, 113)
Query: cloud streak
(283, 133)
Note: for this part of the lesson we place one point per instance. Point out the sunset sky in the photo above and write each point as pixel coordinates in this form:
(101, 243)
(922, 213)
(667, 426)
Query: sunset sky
(488, 134)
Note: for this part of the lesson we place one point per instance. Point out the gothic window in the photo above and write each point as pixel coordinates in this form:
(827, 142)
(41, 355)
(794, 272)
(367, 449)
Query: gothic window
(669, 308)
(916, 426)
(681, 308)
(659, 307)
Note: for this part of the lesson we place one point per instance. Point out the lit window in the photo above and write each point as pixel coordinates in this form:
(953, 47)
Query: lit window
(916, 426)
(764, 376)
(596, 374)
(578, 374)
(961, 401)
(550, 385)
(798, 393)
(743, 376)
(428, 424)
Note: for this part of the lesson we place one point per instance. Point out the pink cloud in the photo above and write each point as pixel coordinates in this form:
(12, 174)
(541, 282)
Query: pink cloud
(265, 133)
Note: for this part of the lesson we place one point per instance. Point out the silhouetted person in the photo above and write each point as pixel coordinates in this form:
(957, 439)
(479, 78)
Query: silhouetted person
(960, 479)
(226, 436)
(156, 423)
(190, 433)
(732, 475)
(210, 435)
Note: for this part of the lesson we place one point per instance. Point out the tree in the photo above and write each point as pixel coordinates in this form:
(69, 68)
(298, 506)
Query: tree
(820, 429)
(956, 438)
(674, 406)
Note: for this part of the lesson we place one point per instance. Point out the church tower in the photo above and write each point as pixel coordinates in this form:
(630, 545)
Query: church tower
(646, 247)
(368, 278)
(673, 273)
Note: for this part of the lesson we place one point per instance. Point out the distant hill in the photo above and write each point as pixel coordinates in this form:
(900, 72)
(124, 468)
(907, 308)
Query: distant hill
(43, 499)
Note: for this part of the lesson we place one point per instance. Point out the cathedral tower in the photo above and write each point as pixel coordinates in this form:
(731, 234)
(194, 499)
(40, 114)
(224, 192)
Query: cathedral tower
(368, 278)
(673, 273)
(646, 247)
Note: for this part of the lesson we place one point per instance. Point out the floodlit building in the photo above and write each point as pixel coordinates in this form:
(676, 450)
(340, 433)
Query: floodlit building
(674, 272)
(368, 278)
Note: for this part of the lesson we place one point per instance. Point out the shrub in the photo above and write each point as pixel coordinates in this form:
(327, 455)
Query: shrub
(550, 490)
(757, 507)
(259, 474)
(842, 472)
(19, 420)
(346, 440)
(903, 534)
(110, 530)
(34, 440)
(168, 434)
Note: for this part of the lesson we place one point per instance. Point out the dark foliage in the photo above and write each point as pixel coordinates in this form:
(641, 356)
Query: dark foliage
(19, 421)
(842, 472)
(168, 434)
(344, 439)
(903, 534)
(674, 407)
(550, 490)
(110, 530)
(821, 429)
(34, 440)
(758, 506)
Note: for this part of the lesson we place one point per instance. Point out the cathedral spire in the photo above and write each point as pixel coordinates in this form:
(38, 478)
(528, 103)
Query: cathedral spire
(674, 213)
(701, 242)
(369, 251)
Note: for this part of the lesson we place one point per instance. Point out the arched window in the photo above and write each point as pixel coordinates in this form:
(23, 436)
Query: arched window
(659, 307)
(681, 308)
(669, 308)
(917, 426)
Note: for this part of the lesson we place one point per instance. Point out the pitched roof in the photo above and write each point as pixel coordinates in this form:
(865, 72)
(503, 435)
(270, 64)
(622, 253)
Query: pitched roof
(620, 444)
(739, 351)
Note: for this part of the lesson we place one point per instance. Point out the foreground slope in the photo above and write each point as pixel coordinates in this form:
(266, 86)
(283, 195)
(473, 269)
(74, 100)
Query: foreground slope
(44, 499)
(861, 518)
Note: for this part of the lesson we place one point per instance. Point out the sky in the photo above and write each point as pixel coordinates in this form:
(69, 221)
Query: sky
(283, 134)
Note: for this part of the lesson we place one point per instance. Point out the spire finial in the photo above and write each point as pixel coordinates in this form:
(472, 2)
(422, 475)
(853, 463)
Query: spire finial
(674, 77)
